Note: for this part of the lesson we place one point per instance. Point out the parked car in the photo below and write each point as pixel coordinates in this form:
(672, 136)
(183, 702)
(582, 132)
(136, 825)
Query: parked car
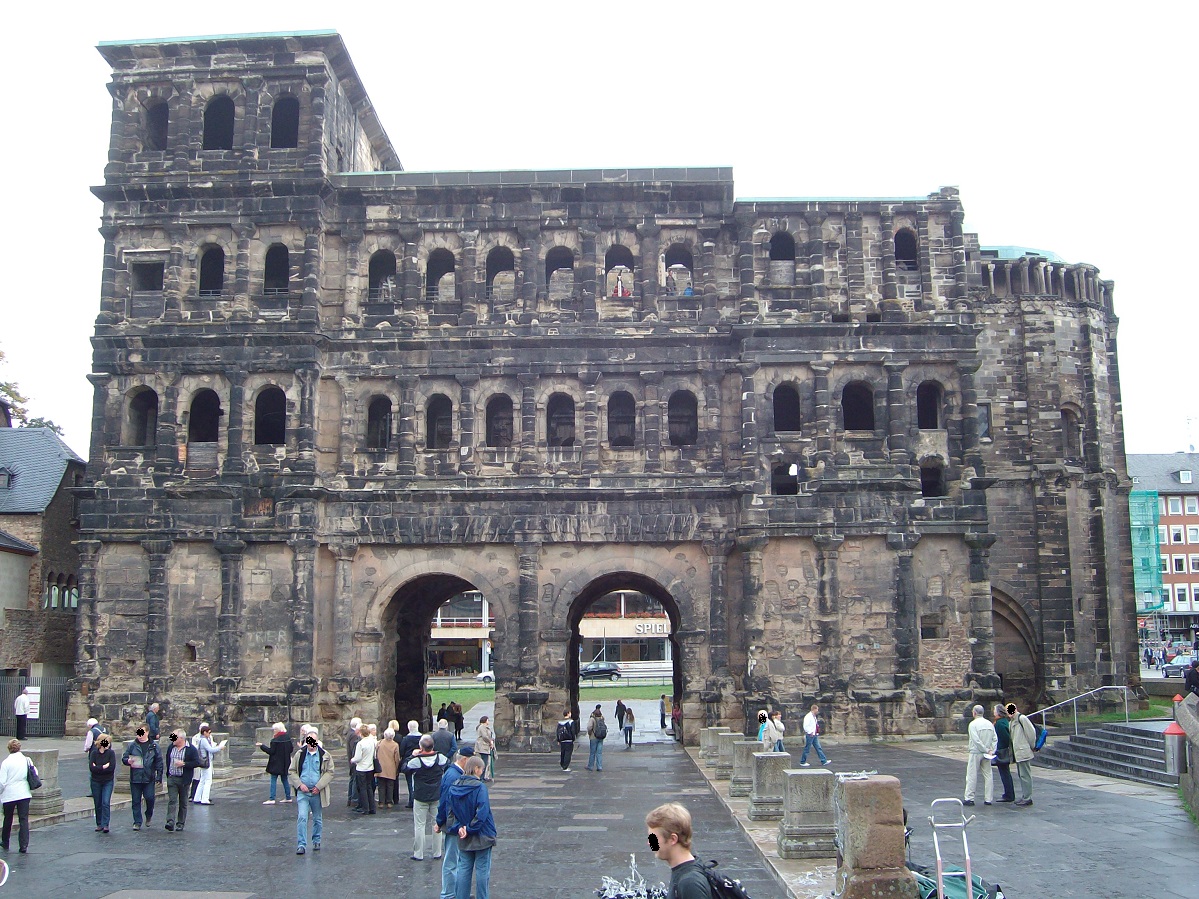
(1178, 667)
(486, 677)
(596, 670)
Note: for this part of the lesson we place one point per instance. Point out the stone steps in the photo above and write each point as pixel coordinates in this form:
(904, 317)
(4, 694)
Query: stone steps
(1114, 750)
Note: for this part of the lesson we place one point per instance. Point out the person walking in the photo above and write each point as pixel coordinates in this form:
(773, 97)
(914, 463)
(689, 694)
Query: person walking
(182, 760)
(353, 736)
(485, 746)
(279, 752)
(476, 831)
(597, 731)
(565, 736)
(1003, 754)
(363, 768)
(1024, 736)
(144, 761)
(812, 729)
(772, 739)
(153, 725)
(409, 745)
(427, 766)
(669, 834)
(15, 794)
(983, 742)
(388, 754)
(630, 722)
(457, 720)
(310, 773)
(102, 764)
(20, 708)
(206, 749)
(621, 708)
(94, 729)
(445, 824)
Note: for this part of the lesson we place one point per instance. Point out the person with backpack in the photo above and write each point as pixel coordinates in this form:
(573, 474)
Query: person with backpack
(669, 838)
(566, 739)
(1024, 738)
(94, 729)
(597, 732)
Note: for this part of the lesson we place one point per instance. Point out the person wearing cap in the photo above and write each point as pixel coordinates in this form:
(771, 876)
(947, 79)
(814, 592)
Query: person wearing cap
(205, 746)
(182, 759)
(447, 825)
(427, 766)
(310, 774)
(102, 763)
(144, 762)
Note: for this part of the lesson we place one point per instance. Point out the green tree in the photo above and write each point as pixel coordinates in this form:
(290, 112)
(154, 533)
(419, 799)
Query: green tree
(11, 394)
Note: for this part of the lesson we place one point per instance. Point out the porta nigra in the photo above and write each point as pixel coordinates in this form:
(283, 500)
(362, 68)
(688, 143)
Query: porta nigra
(856, 456)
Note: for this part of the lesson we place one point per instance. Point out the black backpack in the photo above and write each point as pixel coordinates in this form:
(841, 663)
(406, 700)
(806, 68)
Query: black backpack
(723, 887)
(601, 729)
(566, 732)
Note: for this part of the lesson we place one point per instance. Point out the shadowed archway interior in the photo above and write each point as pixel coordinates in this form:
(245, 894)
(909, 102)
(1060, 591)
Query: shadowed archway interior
(407, 623)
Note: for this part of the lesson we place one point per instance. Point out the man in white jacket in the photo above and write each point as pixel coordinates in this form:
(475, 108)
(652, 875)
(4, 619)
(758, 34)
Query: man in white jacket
(811, 730)
(20, 708)
(983, 741)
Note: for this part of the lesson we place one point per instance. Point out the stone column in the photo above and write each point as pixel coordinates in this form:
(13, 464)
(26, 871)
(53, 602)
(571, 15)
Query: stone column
(87, 668)
(982, 633)
(749, 425)
(647, 235)
(407, 428)
(824, 412)
(303, 624)
(166, 456)
(99, 436)
(241, 270)
(158, 553)
(654, 436)
(925, 300)
(231, 551)
(222, 765)
(742, 774)
(717, 550)
(707, 743)
(808, 828)
(751, 547)
(48, 800)
(815, 249)
(235, 424)
(343, 609)
(172, 284)
(409, 277)
(528, 614)
(897, 419)
(529, 462)
(869, 816)
(766, 793)
(306, 428)
(971, 457)
(724, 754)
(112, 307)
(710, 312)
(466, 423)
(828, 604)
(961, 286)
(713, 379)
(588, 275)
(310, 275)
(890, 276)
(907, 624)
(591, 429)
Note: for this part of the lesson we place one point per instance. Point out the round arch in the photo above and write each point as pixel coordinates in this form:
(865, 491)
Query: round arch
(1017, 655)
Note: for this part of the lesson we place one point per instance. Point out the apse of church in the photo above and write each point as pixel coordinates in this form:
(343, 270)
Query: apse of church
(355, 425)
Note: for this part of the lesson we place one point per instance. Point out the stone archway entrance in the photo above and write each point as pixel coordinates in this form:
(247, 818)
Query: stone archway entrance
(1017, 661)
(406, 626)
(602, 587)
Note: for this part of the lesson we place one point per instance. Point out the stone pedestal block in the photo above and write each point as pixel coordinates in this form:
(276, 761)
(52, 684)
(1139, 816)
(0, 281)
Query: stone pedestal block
(807, 829)
(742, 778)
(48, 800)
(261, 735)
(724, 754)
(707, 744)
(870, 833)
(222, 765)
(766, 792)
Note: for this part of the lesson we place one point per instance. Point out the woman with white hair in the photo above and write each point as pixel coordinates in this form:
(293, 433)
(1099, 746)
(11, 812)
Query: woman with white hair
(279, 752)
(388, 755)
(409, 745)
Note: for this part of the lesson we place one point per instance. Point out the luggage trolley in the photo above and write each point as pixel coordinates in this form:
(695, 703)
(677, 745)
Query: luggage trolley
(959, 825)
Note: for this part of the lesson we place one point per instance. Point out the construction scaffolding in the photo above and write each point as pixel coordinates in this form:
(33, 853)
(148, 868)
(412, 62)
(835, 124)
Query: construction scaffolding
(1146, 551)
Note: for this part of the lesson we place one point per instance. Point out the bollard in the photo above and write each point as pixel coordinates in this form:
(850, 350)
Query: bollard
(707, 741)
(869, 815)
(261, 735)
(742, 776)
(48, 800)
(713, 755)
(808, 829)
(766, 793)
(1176, 749)
(222, 766)
(724, 758)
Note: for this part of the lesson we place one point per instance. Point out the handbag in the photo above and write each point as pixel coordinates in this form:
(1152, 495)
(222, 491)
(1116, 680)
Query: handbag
(378, 767)
(31, 775)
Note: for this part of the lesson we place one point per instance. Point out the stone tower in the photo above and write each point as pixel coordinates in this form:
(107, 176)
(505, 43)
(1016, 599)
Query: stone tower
(856, 457)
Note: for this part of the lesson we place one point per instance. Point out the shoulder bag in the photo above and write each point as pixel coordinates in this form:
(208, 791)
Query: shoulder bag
(31, 776)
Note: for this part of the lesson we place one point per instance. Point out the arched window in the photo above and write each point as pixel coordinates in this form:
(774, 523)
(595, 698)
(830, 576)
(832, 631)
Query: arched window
(499, 260)
(381, 276)
(277, 272)
(140, 427)
(929, 399)
(682, 415)
(679, 266)
(786, 409)
(782, 481)
(212, 272)
(559, 259)
(218, 123)
(157, 119)
(204, 420)
(285, 124)
(618, 271)
(907, 252)
(782, 247)
(270, 418)
(439, 422)
(378, 423)
(932, 479)
(1071, 434)
(441, 265)
(622, 419)
(560, 420)
(499, 421)
(857, 407)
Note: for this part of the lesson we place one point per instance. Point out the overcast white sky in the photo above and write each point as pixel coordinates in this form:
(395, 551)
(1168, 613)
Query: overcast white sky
(1067, 127)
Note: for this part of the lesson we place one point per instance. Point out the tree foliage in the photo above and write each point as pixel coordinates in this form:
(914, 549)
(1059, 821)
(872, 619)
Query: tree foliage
(11, 394)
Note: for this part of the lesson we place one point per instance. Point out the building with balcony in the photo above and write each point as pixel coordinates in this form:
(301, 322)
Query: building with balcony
(852, 454)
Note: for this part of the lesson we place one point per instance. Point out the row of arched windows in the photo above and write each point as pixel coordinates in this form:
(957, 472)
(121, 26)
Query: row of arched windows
(61, 591)
(857, 407)
(907, 248)
(219, 115)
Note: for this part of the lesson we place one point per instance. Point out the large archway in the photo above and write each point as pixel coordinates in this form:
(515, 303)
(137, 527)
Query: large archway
(603, 587)
(407, 627)
(1017, 661)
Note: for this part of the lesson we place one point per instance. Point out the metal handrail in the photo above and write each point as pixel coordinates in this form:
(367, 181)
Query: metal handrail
(1074, 702)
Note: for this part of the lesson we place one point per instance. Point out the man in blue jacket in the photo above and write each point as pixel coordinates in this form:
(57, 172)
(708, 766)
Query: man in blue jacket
(445, 823)
(144, 762)
(476, 830)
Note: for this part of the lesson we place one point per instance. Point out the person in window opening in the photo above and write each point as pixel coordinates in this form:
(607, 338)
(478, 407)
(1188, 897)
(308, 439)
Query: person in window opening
(689, 290)
(670, 285)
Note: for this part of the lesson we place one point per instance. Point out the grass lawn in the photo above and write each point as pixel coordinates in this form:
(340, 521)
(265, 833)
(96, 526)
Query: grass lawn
(598, 691)
(464, 696)
(1159, 707)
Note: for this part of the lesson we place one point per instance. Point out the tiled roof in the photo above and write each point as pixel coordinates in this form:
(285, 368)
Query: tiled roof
(1159, 471)
(36, 459)
(9, 542)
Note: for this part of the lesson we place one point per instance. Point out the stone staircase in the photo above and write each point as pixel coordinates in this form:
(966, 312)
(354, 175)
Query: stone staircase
(1115, 750)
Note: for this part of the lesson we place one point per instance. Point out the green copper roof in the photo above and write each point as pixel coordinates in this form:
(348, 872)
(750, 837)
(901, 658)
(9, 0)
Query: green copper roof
(322, 32)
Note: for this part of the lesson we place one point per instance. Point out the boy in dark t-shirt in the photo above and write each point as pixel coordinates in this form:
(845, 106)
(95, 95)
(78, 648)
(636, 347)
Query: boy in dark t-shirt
(669, 835)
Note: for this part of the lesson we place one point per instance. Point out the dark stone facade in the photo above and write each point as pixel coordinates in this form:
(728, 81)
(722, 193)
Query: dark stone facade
(851, 452)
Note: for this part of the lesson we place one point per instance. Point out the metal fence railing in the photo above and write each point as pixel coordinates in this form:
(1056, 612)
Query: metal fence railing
(52, 711)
